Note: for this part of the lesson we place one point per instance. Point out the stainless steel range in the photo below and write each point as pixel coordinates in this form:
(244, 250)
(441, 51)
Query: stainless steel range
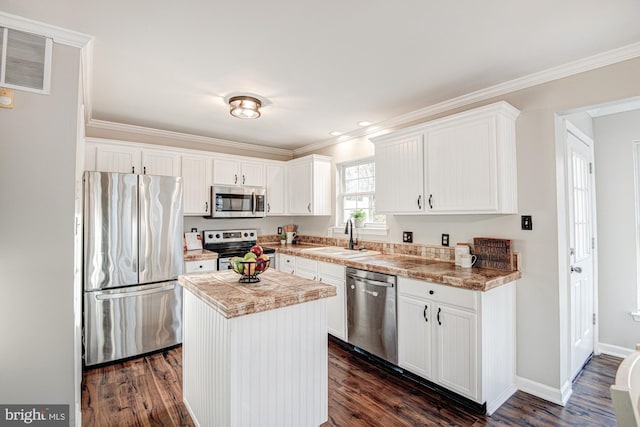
(230, 243)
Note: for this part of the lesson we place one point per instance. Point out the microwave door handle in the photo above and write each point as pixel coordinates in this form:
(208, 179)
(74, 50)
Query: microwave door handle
(255, 201)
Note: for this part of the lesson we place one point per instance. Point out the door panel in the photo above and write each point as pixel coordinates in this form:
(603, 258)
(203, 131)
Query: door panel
(414, 335)
(581, 251)
(110, 230)
(160, 246)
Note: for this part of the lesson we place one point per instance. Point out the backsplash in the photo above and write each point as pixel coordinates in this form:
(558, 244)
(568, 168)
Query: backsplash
(440, 253)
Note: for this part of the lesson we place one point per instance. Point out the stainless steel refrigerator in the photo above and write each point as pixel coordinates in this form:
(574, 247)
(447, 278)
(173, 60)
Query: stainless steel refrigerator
(132, 257)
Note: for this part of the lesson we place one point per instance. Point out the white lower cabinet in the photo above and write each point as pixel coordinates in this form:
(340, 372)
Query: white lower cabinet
(286, 263)
(202, 266)
(460, 339)
(325, 272)
(334, 274)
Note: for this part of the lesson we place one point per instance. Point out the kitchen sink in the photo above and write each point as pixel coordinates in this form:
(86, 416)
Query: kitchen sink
(338, 252)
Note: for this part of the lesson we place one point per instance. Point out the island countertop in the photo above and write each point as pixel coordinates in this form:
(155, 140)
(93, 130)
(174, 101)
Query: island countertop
(222, 291)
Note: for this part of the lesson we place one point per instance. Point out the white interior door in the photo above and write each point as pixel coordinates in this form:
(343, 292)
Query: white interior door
(580, 193)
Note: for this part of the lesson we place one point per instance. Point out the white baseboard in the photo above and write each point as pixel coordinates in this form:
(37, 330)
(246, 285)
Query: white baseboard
(553, 395)
(493, 405)
(614, 350)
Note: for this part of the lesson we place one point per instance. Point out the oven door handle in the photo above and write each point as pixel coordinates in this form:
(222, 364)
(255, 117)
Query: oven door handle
(372, 282)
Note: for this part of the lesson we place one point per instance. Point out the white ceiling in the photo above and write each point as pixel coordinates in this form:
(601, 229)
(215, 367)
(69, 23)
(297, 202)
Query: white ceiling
(320, 66)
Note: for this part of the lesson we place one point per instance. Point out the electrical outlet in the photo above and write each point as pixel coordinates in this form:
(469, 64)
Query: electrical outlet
(194, 230)
(527, 223)
(279, 230)
(407, 236)
(445, 240)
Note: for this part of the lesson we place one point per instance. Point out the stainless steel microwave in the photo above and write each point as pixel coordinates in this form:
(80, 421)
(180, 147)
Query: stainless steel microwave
(238, 202)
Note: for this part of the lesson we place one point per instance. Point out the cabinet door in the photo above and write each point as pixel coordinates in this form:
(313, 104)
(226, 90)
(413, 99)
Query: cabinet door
(457, 350)
(399, 175)
(299, 177)
(225, 172)
(160, 163)
(286, 263)
(252, 174)
(414, 335)
(336, 308)
(461, 171)
(276, 187)
(196, 184)
(115, 158)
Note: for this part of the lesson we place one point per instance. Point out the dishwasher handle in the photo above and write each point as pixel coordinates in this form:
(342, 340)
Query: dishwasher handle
(372, 282)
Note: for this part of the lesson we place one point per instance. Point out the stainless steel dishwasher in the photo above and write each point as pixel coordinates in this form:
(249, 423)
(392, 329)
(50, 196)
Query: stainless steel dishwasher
(371, 313)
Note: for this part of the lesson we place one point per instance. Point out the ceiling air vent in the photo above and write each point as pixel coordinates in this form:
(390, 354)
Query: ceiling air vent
(25, 61)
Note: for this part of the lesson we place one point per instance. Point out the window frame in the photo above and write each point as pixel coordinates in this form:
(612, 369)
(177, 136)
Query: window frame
(341, 193)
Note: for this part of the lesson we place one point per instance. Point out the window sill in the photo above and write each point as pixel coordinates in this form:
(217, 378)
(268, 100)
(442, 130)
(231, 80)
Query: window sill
(361, 232)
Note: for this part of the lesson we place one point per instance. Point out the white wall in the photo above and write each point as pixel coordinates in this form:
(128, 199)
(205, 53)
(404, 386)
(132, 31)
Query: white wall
(541, 345)
(37, 176)
(617, 266)
(268, 225)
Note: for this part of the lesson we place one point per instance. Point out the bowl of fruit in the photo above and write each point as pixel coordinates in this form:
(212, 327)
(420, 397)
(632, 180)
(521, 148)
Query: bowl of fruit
(254, 263)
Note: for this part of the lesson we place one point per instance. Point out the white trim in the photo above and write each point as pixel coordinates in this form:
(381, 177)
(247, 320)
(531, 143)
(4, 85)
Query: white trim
(496, 403)
(576, 67)
(140, 130)
(614, 350)
(636, 188)
(559, 396)
(58, 34)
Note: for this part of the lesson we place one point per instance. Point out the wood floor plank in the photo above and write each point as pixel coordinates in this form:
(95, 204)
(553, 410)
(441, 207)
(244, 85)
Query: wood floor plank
(147, 391)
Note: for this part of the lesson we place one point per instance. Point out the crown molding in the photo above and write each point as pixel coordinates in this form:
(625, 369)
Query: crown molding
(216, 142)
(569, 69)
(58, 34)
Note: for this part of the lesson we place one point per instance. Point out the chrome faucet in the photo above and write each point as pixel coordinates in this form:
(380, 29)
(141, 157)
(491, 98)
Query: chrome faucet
(349, 230)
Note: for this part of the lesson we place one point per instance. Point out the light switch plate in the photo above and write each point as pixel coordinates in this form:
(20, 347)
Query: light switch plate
(527, 222)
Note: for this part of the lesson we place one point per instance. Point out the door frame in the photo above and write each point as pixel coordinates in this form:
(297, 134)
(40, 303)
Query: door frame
(562, 127)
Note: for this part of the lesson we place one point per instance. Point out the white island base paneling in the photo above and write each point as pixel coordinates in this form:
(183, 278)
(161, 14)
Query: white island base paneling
(262, 369)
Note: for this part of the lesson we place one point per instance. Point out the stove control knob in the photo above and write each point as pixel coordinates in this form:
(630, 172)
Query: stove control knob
(251, 234)
(246, 234)
(210, 236)
(217, 236)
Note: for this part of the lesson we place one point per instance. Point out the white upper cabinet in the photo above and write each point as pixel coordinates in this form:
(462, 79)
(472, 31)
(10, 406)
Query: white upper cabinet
(113, 158)
(460, 164)
(236, 172)
(160, 163)
(399, 178)
(309, 185)
(276, 189)
(196, 183)
(124, 158)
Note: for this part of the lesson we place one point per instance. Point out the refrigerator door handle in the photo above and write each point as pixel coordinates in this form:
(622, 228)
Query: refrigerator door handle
(119, 295)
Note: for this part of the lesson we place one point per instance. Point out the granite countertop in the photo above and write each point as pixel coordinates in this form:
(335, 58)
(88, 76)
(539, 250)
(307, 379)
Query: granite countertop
(222, 291)
(199, 255)
(446, 273)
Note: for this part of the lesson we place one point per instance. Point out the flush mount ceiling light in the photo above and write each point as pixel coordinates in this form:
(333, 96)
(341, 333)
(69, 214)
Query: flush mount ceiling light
(364, 123)
(245, 107)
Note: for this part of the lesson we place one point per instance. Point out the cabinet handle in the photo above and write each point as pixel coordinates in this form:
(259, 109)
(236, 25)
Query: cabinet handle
(206, 206)
(430, 201)
(424, 313)
(133, 169)
(320, 279)
(293, 272)
(314, 277)
(268, 207)
(200, 266)
(420, 201)
(431, 292)
(144, 170)
(243, 179)
(309, 207)
(235, 178)
(439, 322)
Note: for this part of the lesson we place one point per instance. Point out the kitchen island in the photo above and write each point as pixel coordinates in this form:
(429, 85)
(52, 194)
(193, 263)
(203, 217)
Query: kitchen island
(255, 354)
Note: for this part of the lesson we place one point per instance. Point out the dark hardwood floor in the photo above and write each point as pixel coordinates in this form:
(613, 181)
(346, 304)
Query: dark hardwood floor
(147, 392)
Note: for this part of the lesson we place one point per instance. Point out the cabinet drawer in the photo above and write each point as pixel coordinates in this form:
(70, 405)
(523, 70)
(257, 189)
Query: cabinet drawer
(333, 270)
(439, 293)
(286, 263)
(306, 264)
(201, 266)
